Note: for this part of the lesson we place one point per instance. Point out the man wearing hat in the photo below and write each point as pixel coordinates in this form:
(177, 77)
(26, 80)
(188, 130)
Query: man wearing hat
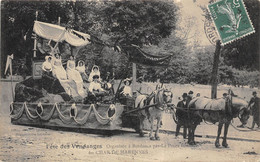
(254, 103)
(224, 95)
(182, 115)
(190, 96)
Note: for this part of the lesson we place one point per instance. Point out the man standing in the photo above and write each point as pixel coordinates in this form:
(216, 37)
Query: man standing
(254, 103)
(189, 97)
(181, 115)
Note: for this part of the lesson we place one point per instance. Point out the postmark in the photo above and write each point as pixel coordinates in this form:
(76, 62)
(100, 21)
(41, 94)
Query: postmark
(210, 31)
(231, 20)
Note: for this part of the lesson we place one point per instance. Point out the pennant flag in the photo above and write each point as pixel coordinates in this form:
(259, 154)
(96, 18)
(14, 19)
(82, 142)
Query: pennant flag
(136, 55)
(9, 63)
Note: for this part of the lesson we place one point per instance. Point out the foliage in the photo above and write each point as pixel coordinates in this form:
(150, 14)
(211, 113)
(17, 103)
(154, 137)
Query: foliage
(140, 22)
(134, 22)
(150, 24)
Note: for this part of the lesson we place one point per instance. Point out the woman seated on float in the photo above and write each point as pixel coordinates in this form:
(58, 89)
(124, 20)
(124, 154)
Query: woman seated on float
(82, 70)
(126, 90)
(94, 71)
(58, 70)
(95, 87)
(75, 76)
(47, 66)
(60, 73)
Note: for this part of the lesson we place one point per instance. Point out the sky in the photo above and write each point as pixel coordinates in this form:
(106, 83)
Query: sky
(189, 8)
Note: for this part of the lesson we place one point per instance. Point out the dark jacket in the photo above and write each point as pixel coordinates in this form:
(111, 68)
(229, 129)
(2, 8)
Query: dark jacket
(182, 115)
(188, 100)
(255, 108)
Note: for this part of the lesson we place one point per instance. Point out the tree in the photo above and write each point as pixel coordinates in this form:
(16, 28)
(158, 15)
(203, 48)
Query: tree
(139, 23)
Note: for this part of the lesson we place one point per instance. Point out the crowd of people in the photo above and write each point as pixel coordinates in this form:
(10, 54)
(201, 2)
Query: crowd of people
(74, 78)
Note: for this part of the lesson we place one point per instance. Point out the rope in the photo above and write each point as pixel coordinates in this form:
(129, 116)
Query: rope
(47, 117)
(19, 114)
(243, 130)
(11, 108)
(62, 117)
(99, 118)
(29, 115)
(174, 118)
(85, 117)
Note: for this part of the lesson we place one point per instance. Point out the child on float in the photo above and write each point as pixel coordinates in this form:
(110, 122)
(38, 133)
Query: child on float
(126, 90)
(95, 88)
(94, 71)
(47, 66)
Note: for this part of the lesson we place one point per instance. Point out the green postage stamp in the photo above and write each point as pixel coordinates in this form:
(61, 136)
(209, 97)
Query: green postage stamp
(231, 20)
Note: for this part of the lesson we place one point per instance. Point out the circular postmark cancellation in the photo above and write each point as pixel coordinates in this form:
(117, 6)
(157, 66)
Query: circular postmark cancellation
(210, 31)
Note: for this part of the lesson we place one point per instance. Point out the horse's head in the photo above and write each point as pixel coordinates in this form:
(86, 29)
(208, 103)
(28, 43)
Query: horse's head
(244, 115)
(167, 96)
(240, 109)
(164, 96)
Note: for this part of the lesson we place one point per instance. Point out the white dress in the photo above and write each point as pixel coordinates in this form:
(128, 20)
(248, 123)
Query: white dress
(93, 73)
(58, 70)
(75, 76)
(127, 91)
(60, 73)
(81, 69)
(95, 87)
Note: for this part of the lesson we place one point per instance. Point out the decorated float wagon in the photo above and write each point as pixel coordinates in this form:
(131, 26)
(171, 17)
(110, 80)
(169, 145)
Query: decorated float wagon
(45, 100)
(42, 100)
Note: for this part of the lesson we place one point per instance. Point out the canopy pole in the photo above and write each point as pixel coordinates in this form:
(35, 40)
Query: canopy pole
(134, 77)
(58, 20)
(11, 71)
(35, 38)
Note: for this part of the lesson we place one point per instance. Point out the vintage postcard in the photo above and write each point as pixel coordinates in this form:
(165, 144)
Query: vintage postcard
(116, 80)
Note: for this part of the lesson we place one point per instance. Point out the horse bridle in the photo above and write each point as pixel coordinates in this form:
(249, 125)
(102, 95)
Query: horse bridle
(164, 90)
(154, 97)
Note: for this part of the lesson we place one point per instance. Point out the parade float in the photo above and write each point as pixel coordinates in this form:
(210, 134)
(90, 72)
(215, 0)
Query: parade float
(43, 101)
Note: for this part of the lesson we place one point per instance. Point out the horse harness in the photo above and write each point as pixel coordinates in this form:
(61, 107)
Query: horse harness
(228, 109)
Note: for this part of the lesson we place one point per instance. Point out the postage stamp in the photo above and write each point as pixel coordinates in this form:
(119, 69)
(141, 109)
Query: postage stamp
(231, 20)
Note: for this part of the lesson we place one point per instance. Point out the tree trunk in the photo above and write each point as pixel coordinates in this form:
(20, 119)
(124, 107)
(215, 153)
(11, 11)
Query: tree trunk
(214, 74)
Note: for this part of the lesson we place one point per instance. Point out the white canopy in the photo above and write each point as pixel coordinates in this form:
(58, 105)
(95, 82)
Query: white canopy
(59, 34)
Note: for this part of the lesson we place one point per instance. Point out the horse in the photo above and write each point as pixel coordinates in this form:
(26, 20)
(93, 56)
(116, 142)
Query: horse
(158, 99)
(216, 110)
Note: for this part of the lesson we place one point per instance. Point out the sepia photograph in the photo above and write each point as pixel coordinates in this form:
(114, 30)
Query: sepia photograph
(130, 80)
